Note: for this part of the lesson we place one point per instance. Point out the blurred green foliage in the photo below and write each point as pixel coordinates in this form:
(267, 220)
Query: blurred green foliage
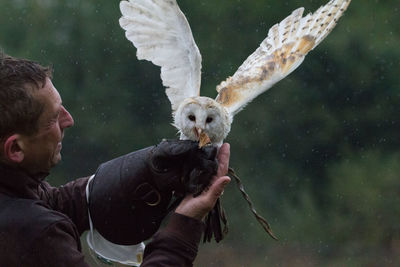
(318, 153)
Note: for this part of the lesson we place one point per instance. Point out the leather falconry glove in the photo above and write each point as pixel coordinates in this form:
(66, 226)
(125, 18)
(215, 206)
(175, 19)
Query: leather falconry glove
(130, 195)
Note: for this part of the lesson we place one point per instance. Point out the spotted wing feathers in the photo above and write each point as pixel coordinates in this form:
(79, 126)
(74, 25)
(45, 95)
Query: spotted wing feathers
(162, 35)
(279, 54)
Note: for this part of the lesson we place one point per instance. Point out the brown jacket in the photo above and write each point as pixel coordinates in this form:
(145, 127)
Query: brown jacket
(40, 225)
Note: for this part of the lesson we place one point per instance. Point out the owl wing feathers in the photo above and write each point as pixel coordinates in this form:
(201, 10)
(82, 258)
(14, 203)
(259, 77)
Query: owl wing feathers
(162, 35)
(279, 54)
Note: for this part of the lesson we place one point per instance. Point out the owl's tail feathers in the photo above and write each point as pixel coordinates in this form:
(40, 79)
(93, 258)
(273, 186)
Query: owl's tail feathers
(213, 224)
(259, 218)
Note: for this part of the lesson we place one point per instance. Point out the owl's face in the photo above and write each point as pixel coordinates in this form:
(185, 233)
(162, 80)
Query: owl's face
(202, 114)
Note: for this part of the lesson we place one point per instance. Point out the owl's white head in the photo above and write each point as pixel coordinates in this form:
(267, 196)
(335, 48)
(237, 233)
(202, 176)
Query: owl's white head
(202, 114)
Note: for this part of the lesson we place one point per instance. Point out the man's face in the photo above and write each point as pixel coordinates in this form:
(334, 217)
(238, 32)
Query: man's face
(42, 150)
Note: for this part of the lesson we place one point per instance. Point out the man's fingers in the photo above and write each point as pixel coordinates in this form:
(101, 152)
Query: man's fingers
(216, 189)
(198, 207)
(223, 159)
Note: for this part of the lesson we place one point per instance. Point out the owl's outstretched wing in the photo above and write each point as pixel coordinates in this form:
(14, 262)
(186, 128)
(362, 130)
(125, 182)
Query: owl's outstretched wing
(279, 54)
(160, 32)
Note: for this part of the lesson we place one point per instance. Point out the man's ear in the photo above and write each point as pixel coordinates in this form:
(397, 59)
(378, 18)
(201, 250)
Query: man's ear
(12, 149)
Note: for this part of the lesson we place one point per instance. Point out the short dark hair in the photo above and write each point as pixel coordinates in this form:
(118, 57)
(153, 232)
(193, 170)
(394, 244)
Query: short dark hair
(19, 110)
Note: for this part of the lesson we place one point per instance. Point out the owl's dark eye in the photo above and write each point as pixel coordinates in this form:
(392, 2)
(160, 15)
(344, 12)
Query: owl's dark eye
(192, 117)
(209, 119)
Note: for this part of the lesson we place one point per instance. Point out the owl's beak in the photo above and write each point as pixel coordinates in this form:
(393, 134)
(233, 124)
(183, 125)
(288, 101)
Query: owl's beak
(202, 137)
(198, 132)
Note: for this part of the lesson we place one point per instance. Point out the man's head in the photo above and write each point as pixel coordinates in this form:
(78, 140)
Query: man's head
(32, 119)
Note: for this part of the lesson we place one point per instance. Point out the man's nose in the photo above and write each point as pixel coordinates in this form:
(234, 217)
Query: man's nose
(66, 119)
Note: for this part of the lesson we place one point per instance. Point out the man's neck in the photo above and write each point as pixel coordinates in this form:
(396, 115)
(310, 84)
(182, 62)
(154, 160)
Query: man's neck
(37, 175)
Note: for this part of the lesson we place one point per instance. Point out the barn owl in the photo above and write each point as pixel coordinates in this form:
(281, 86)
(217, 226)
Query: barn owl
(160, 32)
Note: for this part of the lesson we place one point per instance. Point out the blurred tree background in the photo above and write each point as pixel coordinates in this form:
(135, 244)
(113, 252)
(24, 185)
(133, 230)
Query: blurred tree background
(319, 153)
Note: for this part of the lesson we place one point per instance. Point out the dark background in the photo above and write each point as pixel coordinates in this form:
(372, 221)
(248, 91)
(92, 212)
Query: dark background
(318, 153)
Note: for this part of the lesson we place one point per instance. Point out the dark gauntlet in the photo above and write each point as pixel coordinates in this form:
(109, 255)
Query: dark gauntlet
(130, 195)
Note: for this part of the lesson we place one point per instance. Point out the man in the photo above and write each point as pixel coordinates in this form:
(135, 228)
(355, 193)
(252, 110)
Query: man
(40, 225)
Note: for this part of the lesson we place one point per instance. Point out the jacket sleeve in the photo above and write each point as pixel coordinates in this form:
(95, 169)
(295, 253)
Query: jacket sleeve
(176, 244)
(56, 246)
(69, 199)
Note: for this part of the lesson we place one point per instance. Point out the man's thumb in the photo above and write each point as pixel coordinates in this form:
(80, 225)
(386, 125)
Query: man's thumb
(217, 188)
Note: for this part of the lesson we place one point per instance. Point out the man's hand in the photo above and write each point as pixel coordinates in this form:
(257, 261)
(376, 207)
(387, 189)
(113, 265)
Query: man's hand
(198, 207)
